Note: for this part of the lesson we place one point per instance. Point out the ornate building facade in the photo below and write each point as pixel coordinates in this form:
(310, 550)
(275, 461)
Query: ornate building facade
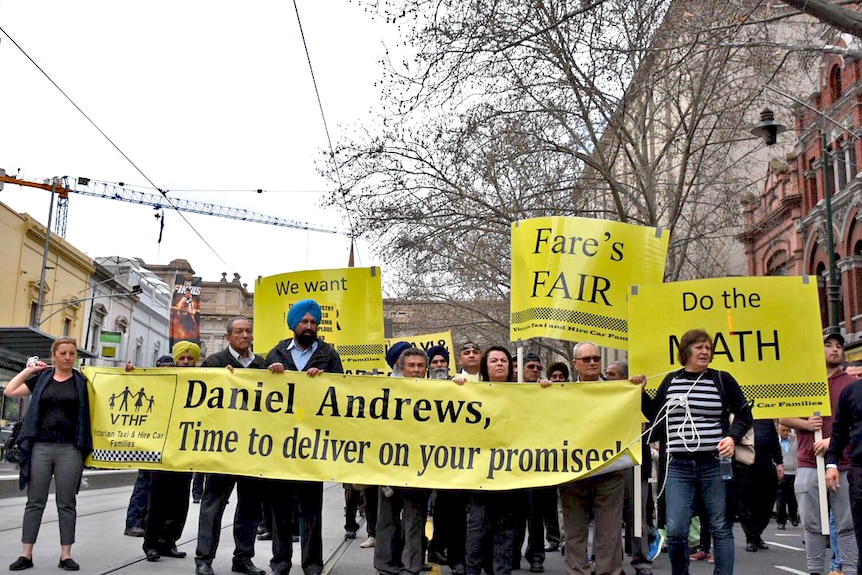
(785, 228)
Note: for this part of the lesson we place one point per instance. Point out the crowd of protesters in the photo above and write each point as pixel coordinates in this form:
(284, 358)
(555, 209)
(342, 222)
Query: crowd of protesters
(698, 418)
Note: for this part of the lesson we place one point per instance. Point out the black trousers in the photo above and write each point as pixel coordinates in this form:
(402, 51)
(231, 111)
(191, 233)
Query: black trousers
(309, 507)
(757, 486)
(788, 508)
(854, 477)
(250, 493)
(167, 509)
(450, 524)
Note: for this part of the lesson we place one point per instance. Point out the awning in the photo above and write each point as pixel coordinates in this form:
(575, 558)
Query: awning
(19, 343)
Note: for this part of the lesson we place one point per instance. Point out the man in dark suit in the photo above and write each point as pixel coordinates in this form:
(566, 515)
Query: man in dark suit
(251, 491)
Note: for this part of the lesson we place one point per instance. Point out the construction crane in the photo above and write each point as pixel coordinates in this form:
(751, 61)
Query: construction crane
(97, 189)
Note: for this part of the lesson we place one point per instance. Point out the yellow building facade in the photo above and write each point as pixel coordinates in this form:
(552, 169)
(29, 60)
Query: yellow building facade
(67, 273)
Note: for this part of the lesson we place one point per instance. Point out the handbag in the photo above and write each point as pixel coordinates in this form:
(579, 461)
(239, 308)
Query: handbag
(744, 452)
(11, 450)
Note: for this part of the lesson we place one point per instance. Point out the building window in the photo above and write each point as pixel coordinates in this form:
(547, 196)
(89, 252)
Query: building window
(34, 307)
(811, 185)
(835, 82)
(67, 326)
(845, 163)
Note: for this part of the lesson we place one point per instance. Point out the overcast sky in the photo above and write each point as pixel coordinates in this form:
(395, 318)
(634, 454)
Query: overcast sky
(200, 96)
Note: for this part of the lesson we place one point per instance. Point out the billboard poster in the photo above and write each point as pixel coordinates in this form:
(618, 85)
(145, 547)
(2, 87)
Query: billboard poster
(186, 309)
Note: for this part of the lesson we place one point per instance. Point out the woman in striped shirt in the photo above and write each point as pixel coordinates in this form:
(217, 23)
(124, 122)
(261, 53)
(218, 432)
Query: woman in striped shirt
(692, 408)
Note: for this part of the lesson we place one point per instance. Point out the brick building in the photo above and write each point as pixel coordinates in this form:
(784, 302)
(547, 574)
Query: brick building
(785, 227)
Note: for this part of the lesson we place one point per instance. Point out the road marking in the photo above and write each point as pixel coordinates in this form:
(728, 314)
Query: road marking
(791, 570)
(782, 545)
(786, 535)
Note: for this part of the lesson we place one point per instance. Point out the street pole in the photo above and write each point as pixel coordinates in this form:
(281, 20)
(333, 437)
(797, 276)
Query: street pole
(833, 290)
(39, 305)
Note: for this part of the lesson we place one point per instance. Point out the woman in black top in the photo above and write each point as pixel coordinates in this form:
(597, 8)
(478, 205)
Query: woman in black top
(55, 438)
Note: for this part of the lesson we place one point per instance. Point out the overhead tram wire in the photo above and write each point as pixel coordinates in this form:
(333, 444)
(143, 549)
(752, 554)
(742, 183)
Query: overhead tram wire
(116, 147)
(325, 125)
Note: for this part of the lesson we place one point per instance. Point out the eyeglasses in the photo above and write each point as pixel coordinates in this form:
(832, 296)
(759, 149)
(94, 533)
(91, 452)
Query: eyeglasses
(590, 358)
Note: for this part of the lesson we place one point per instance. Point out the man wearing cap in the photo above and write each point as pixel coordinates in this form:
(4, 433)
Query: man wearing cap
(305, 352)
(392, 355)
(806, 486)
(470, 358)
(168, 503)
(250, 490)
(542, 501)
(450, 505)
(136, 515)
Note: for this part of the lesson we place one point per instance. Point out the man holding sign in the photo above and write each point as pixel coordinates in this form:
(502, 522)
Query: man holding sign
(806, 485)
(305, 352)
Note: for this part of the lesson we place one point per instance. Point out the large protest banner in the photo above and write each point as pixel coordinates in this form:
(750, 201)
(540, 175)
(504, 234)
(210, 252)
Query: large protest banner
(571, 276)
(360, 429)
(766, 331)
(426, 341)
(351, 300)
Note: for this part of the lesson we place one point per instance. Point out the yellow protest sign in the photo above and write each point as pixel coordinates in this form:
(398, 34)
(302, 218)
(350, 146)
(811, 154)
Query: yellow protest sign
(351, 301)
(570, 277)
(426, 341)
(766, 332)
(360, 429)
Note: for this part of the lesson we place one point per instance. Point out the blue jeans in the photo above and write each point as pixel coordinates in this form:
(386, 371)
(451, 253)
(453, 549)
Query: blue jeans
(685, 479)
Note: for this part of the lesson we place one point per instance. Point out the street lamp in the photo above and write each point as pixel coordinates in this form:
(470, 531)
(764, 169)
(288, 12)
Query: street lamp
(768, 129)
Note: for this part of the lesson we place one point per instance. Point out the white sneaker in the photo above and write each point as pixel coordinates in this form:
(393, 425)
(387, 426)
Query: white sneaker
(368, 543)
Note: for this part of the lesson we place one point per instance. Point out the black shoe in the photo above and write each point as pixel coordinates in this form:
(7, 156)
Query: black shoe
(643, 571)
(551, 547)
(134, 532)
(246, 566)
(350, 533)
(196, 501)
(437, 557)
(761, 544)
(203, 569)
(782, 526)
(264, 536)
(153, 555)
(427, 567)
(795, 522)
(173, 552)
(68, 564)
(21, 563)
(751, 546)
(294, 538)
(536, 567)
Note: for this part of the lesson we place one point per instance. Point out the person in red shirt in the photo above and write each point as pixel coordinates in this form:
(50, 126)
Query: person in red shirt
(806, 485)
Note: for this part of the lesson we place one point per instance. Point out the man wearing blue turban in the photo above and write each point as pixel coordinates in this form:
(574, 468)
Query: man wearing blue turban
(305, 352)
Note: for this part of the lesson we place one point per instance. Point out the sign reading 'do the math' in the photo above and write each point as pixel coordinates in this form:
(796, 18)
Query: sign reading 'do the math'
(766, 332)
(570, 277)
(360, 429)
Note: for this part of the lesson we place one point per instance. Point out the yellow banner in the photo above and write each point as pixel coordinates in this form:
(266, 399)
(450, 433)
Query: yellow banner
(351, 301)
(766, 332)
(425, 342)
(571, 276)
(360, 429)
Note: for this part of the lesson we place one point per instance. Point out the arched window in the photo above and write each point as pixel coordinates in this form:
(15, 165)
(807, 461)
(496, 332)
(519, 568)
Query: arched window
(835, 82)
